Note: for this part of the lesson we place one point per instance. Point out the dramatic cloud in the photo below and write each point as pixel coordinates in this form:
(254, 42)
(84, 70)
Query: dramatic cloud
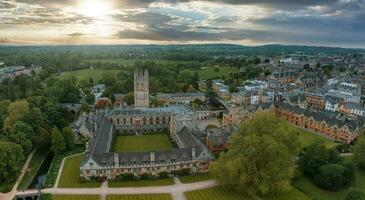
(310, 22)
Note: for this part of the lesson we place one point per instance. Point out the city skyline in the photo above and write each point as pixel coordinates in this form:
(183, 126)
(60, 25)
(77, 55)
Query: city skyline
(246, 22)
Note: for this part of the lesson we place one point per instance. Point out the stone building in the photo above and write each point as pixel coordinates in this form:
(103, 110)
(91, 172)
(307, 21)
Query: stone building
(141, 88)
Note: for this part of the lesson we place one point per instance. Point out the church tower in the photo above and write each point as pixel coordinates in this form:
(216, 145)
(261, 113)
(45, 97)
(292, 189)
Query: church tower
(141, 88)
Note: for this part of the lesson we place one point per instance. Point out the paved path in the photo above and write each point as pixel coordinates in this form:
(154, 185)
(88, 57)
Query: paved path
(11, 194)
(177, 190)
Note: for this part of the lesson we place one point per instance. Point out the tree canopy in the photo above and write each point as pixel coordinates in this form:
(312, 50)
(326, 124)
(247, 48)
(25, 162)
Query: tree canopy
(260, 155)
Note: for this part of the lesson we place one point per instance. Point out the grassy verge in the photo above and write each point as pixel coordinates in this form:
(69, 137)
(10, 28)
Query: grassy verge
(68, 197)
(142, 183)
(217, 193)
(56, 163)
(196, 178)
(140, 197)
(307, 138)
(70, 175)
(33, 167)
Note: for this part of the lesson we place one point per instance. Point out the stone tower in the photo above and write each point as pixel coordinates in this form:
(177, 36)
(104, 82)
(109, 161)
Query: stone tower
(141, 88)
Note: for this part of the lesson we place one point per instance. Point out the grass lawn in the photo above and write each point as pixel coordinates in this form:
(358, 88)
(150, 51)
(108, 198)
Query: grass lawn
(34, 164)
(294, 194)
(140, 197)
(86, 74)
(196, 178)
(153, 142)
(141, 183)
(69, 197)
(307, 138)
(217, 193)
(70, 176)
(309, 188)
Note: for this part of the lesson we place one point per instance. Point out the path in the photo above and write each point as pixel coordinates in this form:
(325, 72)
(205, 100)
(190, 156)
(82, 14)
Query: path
(11, 194)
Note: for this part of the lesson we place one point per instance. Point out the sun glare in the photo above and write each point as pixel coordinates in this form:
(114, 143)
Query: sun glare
(94, 8)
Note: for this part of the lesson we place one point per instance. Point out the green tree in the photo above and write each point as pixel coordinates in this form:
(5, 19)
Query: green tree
(260, 155)
(12, 158)
(43, 140)
(359, 153)
(58, 142)
(355, 195)
(129, 98)
(334, 176)
(69, 137)
(17, 110)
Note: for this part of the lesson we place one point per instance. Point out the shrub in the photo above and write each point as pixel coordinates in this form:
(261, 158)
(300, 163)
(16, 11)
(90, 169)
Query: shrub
(182, 172)
(334, 176)
(355, 195)
(163, 175)
(145, 176)
(126, 177)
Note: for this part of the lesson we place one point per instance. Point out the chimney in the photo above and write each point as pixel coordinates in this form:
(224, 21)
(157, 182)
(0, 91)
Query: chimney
(116, 160)
(152, 156)
(193, 153)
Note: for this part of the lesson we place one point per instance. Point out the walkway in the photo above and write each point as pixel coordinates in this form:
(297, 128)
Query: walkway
(177, 190)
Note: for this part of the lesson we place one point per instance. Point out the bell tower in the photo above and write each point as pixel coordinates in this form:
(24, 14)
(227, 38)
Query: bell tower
(141, 88)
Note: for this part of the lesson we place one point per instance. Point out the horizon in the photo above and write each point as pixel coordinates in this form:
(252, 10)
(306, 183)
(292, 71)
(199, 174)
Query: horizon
(324, 23)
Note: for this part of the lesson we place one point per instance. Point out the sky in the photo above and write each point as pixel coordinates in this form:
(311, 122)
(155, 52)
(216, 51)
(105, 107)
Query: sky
(247, 22)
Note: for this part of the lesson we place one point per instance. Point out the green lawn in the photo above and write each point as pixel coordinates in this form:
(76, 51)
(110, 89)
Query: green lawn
(70, 176)
(140, 197)
(34, 164)
(69, 197)
(196, 178)
(86, 74)
(294, 194)
(153, 142)
(308, 138)
(141, 183)
(217, 193)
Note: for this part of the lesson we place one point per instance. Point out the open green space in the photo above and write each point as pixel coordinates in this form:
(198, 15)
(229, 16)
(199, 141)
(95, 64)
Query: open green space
(69, 197)
(34, 164)
(141, 183)
(153, 142)
(196, 178)
(140, 197)
(293, 194)
(217, 193)
(307, 138)
(70, 175)
(309, 188)
(56, 164)
(86, 74)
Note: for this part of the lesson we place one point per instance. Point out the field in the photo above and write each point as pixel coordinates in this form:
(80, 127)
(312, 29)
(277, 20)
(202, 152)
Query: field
(34, 164)
(307, 138)
(71, 172)
(195, 178)
(294, 194)
(217, 193)
(140, 197)
(86, 74)
(153, 142)
(141, 183)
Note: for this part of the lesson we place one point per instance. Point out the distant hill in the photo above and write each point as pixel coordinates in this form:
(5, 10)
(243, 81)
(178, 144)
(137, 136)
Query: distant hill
(206, 49)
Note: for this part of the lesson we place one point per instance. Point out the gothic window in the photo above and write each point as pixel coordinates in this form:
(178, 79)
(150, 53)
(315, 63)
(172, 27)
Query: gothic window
(118, 121)
(131, 120)
(151, 120)
(144, 120)
(157, 120)
(124, 120)
(164, 120)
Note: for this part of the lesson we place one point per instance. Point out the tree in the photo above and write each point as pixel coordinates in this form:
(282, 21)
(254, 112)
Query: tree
(359, 153)
(260, 155)
(334, 176)
(355, 195)
(43, 140)
(69, 137)
(12, 158)
(58, 142)
(17, 110)
(129, 98)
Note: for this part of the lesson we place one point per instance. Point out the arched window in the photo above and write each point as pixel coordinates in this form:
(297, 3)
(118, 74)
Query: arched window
(131, 120)
(144, 120)
(157, 120)
(151, 120)
(118, 121)
(164, 120)
(124, 120)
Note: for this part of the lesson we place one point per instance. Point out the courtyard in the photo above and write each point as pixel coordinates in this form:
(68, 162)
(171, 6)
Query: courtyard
(151, 142)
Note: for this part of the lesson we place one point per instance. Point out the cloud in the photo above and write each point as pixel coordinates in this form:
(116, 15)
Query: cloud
(78, 34)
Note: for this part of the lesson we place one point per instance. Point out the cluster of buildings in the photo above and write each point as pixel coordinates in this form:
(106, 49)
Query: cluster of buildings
(10, 72)
(99, 161)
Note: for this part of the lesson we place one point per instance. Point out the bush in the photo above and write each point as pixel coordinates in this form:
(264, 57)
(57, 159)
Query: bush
(182, 172)
(145, 176)
(126, 177)
(355, 195)
(163, 175)
(334, 176)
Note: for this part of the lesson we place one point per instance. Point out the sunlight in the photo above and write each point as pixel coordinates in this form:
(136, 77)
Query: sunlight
(94, 8)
